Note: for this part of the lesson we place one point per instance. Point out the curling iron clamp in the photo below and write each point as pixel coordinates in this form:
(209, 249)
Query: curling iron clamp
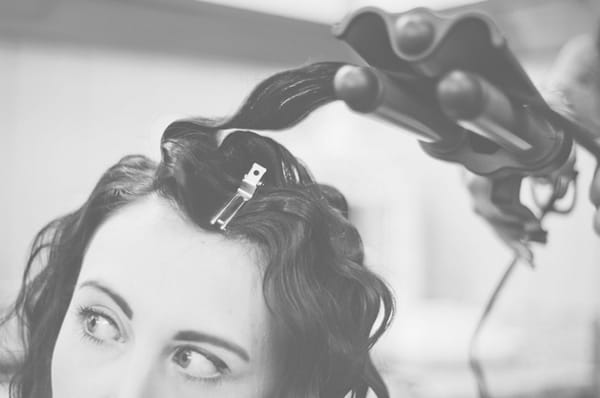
(453, 81)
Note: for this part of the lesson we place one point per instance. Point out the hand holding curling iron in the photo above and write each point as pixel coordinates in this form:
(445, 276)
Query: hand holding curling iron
(455, 83)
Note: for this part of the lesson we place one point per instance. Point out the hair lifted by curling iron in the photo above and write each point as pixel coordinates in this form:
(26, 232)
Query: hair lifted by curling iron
(325, 303)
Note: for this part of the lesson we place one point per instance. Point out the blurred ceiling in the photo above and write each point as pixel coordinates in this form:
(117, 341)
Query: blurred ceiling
(330, 11)
(263, 30)
(531, 26)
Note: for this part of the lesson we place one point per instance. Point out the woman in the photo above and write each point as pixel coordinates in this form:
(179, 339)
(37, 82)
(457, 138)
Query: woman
(147, 290)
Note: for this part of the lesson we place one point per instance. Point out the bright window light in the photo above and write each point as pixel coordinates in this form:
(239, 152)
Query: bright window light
(330, 11)
(404, 5)
(326, 11)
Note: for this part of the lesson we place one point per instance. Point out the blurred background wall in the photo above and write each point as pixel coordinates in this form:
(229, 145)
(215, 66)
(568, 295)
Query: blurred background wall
(83, 83)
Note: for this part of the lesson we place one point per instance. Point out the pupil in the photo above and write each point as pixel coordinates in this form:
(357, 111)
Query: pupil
(184, 358)
(93, 322)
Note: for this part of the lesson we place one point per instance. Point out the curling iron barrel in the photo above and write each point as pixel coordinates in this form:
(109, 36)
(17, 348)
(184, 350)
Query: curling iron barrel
(413, 34)
(480, 107)
(367, 90)
(453, 80)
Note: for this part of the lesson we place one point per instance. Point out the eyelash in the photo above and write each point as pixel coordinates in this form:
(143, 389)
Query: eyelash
(221, 367)
(83, 313)
(214, 381)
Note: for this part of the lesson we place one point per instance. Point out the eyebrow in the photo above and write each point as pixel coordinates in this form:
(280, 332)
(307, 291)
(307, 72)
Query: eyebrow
(119, 300)
(195, 336)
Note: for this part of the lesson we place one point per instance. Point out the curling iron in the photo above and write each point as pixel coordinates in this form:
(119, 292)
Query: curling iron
(454, 82)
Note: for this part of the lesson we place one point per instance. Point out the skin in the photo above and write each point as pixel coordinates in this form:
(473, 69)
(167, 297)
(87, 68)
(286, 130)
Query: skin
(164, 309)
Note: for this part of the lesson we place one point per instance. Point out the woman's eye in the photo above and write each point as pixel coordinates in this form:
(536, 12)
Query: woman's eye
(99, 327)
(196, 365)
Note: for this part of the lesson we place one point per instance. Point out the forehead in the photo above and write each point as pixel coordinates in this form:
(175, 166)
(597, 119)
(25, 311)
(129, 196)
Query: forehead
(170, 270)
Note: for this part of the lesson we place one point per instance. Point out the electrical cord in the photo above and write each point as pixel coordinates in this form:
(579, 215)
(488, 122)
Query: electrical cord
(474, 361)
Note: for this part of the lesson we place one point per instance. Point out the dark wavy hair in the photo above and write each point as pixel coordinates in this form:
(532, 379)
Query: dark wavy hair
(328, 308)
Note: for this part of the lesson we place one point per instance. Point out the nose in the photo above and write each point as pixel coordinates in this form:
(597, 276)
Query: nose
(138, 375)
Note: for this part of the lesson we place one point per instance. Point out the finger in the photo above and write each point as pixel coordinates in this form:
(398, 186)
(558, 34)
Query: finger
(597, 221)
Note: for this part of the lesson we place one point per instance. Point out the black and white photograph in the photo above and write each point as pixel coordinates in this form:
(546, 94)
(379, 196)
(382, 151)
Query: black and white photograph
(300, 199)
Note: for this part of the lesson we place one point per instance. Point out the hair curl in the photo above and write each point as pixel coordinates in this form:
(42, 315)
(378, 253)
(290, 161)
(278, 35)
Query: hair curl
(322, 297)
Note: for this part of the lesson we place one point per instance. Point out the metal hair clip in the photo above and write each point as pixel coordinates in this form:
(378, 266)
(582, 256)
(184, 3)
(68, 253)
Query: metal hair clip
(244, 193)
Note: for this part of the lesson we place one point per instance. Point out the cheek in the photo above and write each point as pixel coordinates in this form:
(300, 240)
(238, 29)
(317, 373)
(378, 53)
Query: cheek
(74, 368)
(66, 376)
(62, 384)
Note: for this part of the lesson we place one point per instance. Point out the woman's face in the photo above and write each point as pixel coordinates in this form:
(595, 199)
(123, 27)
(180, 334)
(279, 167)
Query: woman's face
(164, 309)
